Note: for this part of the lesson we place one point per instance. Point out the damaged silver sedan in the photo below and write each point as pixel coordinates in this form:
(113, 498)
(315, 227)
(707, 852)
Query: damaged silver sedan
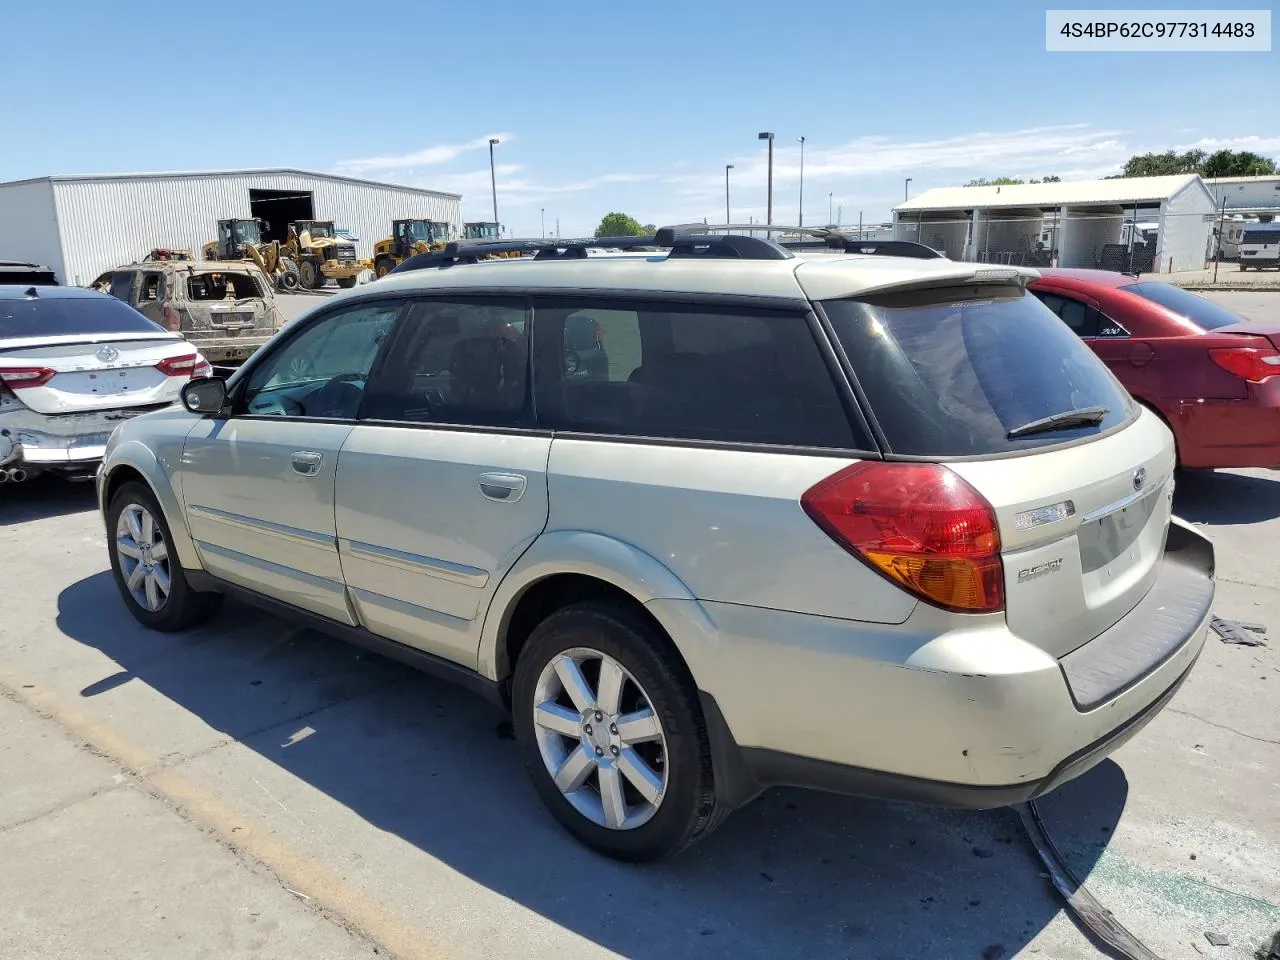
(74, 364)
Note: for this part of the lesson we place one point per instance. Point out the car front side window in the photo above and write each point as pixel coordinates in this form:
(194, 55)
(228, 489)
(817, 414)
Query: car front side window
(320, 373)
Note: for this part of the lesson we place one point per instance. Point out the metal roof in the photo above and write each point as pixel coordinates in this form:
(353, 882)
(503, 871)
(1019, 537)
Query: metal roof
(213, 174)
(1121, 190)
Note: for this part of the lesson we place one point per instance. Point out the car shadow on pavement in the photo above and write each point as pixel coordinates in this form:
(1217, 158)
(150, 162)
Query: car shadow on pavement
(794, 874)
(44, 497)
(1222, 497)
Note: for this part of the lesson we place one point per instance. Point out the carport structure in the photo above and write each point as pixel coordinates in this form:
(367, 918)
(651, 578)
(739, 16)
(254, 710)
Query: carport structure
(1079, 223)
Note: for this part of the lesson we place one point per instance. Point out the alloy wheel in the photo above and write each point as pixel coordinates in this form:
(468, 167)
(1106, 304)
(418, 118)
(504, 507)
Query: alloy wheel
(144, 557)
(600, 739)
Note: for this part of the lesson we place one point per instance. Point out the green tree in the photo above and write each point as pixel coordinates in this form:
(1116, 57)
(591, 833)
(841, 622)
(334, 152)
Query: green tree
(619, 225)
(1006, 181)
(1164, 164)
(1228, 163)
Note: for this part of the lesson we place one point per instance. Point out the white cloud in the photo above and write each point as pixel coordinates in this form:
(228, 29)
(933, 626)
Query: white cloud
(427, 156)
(1267, 146)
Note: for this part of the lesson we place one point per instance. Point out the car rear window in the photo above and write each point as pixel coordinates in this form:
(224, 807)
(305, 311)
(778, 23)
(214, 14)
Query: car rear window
(68, 316)
(951, 372)
(1205, 314)
(222, 286)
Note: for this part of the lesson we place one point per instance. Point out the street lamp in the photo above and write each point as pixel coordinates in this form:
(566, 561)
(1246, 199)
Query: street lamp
(769, 136)
(829, 202)
(493, 182)
(802, 181)
(906, 188)
(543, 212)
(727, 219)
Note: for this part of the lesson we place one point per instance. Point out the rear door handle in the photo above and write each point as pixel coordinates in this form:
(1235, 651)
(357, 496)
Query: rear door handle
(503, 487)
(306, 463)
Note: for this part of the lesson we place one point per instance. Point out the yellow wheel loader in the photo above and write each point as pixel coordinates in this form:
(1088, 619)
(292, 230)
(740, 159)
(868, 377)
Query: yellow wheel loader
(242, 240)
(408, 237)
(322, 255)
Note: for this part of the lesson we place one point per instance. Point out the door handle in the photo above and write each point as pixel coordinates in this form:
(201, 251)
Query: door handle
(306, 463)
(503, 487)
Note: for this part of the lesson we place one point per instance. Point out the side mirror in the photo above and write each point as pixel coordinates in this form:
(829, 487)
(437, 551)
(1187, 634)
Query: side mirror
(206, 396)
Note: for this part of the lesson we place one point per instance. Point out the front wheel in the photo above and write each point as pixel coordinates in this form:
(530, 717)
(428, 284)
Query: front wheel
(383, 268)
(146, 568)
(309, 275)
(613, 737)
(346, 283)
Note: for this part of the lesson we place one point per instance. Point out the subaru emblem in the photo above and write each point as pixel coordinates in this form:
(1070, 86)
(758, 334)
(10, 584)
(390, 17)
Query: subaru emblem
(107, 354)
(1139, 478)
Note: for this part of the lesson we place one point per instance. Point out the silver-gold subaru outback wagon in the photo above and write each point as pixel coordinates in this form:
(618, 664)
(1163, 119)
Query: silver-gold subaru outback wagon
(874, 524)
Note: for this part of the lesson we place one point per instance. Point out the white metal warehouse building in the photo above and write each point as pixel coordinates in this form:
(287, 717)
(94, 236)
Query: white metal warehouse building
(83, 225)
(1078, 223)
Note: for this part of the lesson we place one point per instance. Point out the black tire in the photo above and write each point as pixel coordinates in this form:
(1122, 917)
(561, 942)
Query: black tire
(309, 276)
(383, 267)
(689, 809)
(289, 279)
(184, 607)
(346, 283)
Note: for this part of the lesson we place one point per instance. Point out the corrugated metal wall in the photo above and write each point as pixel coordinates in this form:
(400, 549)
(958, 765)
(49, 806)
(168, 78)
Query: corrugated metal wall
(28, 228)
(108, 222)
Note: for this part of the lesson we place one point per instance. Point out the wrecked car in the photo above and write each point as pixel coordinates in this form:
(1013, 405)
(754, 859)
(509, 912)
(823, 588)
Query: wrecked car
(228, 310)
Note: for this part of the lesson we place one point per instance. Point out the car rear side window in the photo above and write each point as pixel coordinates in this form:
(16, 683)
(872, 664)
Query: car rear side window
(1205, 314)
(951, 372)
(686, 372)
(70, 316)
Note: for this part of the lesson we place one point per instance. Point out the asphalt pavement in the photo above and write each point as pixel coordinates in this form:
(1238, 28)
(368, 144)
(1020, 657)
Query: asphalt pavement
(256, 790)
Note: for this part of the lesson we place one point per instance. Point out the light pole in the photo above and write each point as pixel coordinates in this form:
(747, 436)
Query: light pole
(769, 136)
(493, 182)
(829, 201)
(906, 190)
(727, 219)
(801, 181)
(543, 212)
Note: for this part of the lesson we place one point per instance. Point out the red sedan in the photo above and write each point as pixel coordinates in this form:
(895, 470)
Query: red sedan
(1212, 376)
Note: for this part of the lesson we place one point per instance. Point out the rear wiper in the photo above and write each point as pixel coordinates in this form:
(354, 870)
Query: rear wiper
(1085, 416)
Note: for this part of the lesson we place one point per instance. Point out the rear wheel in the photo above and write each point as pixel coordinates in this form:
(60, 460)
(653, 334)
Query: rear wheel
(384, 267)
(612, 734)
(145, 566)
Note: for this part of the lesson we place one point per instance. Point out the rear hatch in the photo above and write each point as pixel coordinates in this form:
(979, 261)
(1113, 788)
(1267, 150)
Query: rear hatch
(985, 379)
(219, 304)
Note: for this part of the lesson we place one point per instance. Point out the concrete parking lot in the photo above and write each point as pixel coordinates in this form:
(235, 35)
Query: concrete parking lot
(256, 790)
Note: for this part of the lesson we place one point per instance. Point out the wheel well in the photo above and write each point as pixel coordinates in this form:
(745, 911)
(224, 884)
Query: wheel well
(545, 597)
(1165, 420)
(117, 479)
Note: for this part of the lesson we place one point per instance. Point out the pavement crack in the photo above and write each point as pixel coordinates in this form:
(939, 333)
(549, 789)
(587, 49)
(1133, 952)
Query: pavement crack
(1223, 726)
(67, 804)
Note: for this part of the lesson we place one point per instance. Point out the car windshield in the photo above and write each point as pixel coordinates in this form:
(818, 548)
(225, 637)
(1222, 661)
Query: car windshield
(1262, 235)
(1205, 314)
(70, 316)
(964, 371)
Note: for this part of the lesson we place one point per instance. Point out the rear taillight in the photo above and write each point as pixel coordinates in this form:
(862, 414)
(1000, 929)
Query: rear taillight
(18, 378)
(202, 369)
(184, 366)
(1254, 364)
(920, 525)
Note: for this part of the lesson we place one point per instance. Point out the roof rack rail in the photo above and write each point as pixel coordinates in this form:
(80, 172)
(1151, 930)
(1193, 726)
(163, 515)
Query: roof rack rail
(826, 238)
(680, 241)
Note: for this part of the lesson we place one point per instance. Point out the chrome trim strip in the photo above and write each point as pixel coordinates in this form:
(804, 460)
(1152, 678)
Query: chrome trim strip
(262, 526)
(416, 563)
(1125, 501)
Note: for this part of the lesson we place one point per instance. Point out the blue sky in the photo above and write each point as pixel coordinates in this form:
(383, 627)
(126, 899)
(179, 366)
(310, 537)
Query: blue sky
(632, 106)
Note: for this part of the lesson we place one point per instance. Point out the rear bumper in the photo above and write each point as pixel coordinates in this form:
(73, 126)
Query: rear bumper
(68, 443)
(973, 717)
(223, 349)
